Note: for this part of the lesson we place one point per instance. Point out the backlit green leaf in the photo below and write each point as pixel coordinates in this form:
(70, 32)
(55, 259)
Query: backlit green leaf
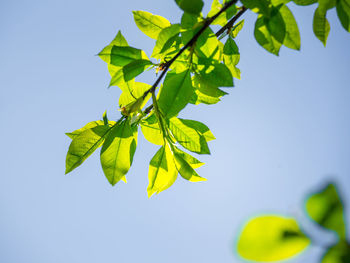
(190, 6)
(119, 40)
(201, 128)
(264, 38)
(304, 2)
(129, 71)
(325, 207)
(84, 144)
(216, 74)
(166, 39)
(231, 57)
(339, 253)
(207, 45)
(151, 131)
(343, 11)
(271, 238)
(90, 125)
(321, 26)
(185, 169)
(118, 151)
(189, 137)
(193, 162)
(276, 25)
(292, 37)
(258, 6)
(132, 92)
(175, 93)
(162, 172)
(121, 56)
(216, 6)
(150, 24)
(237, 28)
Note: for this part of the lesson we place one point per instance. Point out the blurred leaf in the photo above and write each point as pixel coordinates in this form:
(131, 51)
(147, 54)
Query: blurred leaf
(237, 28)
(339, 253)
(190, 6)
(271, 238)
(321, 26)
(118, 151)
(162, 171)
(231, 57)
(150, 24)
(84, 144)
(343, 11)
(175, 93)
(304, 2)
(258, 6)
(325, 207)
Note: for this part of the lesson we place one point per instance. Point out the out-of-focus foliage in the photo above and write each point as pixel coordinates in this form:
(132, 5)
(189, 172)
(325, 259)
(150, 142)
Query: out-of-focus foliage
(272, 237)
(196, 64)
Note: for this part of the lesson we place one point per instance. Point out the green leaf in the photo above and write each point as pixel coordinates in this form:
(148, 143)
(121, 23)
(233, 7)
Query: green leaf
(271, 238)
(84, 144)
(121, 56)
(190, 6)
(189, 137)
(343, 12)
(118, 151)
(216, 74)
(258, 6)
(188, 21)
(105, 118)
(132, 92)
(129, 71)
(292, 37)
(90, 125)
(237, 28)
(185, 169)
(201, 128)
(119, 40)
(207, 45)
(216, 6)
(321, 26)
(276, 25)
(175, 93)
(339, 253)
(325, 5)
(193, 162)
(231, 57)
(264, 38)
(151, 131)
(150, 24)
(325, 207)
(162, 172)
(204, 92)
(305, 2)
(166, 38)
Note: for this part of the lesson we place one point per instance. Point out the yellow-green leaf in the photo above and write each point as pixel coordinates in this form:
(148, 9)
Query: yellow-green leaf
(292, 37)
(119, 40)
(84, 144)
(151, 131)
(185, 169)
(118, 151)
(190, 6)
(339, 253)
(325, 207)
(162, 171)
(188, 137)
(150, 24)
(264, 38)
(271, 238)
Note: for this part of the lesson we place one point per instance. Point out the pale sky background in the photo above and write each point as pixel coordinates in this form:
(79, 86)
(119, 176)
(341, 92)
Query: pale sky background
(281, 133)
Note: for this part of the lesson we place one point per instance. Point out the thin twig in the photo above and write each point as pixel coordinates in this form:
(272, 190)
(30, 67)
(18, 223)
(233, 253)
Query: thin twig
(231, 22)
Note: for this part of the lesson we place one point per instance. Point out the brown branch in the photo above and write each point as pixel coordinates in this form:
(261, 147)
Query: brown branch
(231, 22)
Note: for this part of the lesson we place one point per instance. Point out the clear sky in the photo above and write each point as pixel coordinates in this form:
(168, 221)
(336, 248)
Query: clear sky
(281, 133)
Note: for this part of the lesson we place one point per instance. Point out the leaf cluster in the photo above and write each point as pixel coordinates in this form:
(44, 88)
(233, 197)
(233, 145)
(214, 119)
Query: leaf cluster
(196, 64)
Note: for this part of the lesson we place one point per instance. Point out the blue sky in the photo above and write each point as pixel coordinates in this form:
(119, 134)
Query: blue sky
(281, 133)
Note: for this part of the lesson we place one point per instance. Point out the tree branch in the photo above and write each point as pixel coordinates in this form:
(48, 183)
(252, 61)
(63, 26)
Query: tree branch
(207, 23)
